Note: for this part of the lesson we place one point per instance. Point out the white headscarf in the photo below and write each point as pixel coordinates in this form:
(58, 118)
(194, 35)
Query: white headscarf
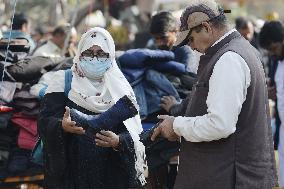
(99, 96)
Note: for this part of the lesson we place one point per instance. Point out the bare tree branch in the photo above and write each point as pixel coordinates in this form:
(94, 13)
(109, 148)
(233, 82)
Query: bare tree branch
(52, 21)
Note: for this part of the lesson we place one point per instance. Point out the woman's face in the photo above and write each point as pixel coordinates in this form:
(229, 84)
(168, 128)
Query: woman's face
(94, 51)
(94, 62)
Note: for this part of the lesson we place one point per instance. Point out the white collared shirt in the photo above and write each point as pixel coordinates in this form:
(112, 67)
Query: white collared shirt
(227, 91)
(279, 80)
(48, 50)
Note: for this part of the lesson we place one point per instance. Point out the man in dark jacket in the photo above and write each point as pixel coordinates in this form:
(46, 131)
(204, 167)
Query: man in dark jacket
(225, 123)
(246, 29)
(163, 28)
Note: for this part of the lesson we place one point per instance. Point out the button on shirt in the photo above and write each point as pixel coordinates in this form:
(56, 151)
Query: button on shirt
(227, 91)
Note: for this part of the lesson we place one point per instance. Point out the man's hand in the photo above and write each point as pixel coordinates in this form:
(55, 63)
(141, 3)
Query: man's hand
(165, 129)
(107, 139)
(70, 126)
(167, 102)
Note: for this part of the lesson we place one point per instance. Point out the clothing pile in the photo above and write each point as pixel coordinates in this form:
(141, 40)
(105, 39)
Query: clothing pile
(153, 74)
(18, 117)
(19, 110)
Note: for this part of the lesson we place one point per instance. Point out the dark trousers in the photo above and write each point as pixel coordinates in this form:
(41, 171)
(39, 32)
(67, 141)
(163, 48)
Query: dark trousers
(162, 177)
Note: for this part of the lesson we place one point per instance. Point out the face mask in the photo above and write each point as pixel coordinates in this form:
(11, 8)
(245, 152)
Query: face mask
(94, 68)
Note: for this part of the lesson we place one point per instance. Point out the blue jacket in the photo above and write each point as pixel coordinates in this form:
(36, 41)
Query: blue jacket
(17, 34)
(135, 62)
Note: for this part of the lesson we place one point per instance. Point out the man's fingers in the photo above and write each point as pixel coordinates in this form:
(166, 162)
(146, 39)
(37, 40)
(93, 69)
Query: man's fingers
(173, 137)
(162, 116)
(169, 98)
(165, 99)
(67, 112)
(172, 98)
(162, 105)
(156, 132)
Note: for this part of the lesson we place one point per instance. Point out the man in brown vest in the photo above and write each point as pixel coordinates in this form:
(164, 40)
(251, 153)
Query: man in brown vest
(224, 123)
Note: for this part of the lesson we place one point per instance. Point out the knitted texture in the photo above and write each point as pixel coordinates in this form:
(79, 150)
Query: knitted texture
(122, 110)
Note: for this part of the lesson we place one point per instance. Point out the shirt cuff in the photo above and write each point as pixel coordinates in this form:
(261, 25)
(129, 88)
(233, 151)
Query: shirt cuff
(177, 126)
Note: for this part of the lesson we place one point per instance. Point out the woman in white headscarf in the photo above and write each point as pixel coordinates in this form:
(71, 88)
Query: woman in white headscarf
(71, 160)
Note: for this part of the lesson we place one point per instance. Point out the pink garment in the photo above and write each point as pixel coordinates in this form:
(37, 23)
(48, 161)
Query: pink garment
(28, 130)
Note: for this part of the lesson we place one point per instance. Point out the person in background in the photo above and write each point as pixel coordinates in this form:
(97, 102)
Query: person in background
(246, 29)
(226, 136)
(271, 38)
(163, 28)
(20, 30)
(38, 35)
(54, 47)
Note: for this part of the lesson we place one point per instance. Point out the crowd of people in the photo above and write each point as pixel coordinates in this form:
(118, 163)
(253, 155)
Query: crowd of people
(191, 109)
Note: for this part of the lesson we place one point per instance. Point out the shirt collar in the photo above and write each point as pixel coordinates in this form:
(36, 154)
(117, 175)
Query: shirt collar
(225, 35)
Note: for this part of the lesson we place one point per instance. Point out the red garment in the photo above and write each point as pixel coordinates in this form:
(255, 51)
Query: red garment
(5, 108)
(28, 130)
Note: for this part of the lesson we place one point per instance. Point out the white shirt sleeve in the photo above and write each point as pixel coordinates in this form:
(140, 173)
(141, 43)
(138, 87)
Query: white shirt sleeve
(279, 79)
(227, 91)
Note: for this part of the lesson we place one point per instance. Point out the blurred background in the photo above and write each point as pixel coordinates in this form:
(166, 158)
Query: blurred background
(43, 39)
(124, 18)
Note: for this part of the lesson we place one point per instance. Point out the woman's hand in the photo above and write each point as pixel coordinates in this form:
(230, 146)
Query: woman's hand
(70, 126)
(107, 139)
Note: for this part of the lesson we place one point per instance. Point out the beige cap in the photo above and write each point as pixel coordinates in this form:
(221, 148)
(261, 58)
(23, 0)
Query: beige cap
(194, 15)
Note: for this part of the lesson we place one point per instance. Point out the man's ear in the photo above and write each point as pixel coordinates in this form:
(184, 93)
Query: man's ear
(207, 27)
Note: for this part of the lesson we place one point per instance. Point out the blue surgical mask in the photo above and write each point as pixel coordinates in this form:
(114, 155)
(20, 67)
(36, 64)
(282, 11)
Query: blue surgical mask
(95, 68)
